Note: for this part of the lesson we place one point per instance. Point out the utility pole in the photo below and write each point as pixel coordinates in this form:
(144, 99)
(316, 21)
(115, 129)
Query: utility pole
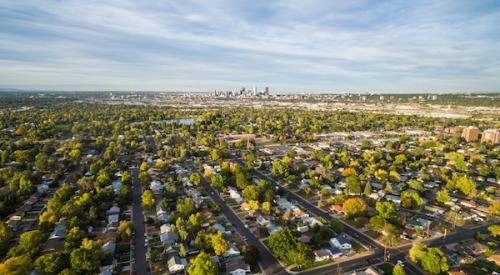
(444, 236)
(385, 251)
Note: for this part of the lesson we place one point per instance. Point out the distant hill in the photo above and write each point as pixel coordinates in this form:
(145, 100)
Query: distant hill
(10, 89)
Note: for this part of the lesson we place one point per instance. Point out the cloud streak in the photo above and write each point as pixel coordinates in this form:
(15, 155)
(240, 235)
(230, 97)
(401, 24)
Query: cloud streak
(287, 45)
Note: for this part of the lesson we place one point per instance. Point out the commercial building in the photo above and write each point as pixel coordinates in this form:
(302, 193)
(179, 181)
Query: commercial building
(491, 135)
(471, 133)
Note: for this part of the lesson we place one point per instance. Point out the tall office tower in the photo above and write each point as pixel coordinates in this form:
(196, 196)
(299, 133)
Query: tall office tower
(254, 91)
(266, 91)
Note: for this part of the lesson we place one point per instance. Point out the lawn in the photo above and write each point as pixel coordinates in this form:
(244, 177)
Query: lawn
(357, 247)
(372, 234)
(315, 264)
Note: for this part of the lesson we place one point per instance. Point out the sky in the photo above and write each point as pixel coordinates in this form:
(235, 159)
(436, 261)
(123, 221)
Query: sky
(288, 45)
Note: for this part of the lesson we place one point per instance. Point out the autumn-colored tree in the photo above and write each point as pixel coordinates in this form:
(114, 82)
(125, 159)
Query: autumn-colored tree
(219, 244)
(354, 206)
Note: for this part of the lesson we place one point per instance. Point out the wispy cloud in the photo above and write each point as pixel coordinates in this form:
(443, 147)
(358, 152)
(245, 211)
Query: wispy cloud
(287, 45)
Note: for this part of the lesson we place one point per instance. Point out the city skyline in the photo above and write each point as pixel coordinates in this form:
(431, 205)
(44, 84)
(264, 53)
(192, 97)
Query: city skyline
(361, 46)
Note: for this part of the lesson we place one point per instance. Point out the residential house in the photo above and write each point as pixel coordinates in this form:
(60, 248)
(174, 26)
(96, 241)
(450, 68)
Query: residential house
(419, 224)
(336, 252)
(262, 221)
(219, 227)
(176, 264)
(113, 210)
(59, 231)
(271, 228)
(235, 195)
(109, 247)
(311, 221)
(302, 229)
(161, 213)
(168, 238)
(237, 267)
(156, 186)
(232, 251)
(304, 239)
(337, 208)
(322, 255)
(340, 242)
(42, 188)
(117, 187)
(394, 199)
(165, 228)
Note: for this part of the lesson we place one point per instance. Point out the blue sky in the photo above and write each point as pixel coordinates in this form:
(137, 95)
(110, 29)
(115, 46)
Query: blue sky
(295, 46)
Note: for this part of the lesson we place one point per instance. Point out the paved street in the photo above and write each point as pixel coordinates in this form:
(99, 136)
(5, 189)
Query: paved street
(320, 213)
(269, 263)
(141, 265)
(396, 254)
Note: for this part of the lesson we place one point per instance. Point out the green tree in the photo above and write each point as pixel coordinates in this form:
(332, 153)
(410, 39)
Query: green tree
(434, 261)
(202, 265)
(377, 223)
(148, 199)
(52, 263)
(241, 180)
(251, 254)
(196, 219)
(442, 196)
(42, 161)
(398, 270)
(217, 182)
(73, 238)
(266, 208)
(411, 199)
(124, 230)
(494, 230)
(185, 206)
(182, 251)
(75, 155)
(353, 185)
(302, 255)
(431, 259)
(125, 195)
(219, 244)
(368, 189)
(251, 192)
(386, 209)
(144, 167)
(279, 169)
(415, 184)
(20, 265)
(87, 258)
(282, 242)
(466, 185)
(336, 225)
(5, 236)
(103, 180)
(195, 178)
(126, 177)
(29, 243)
